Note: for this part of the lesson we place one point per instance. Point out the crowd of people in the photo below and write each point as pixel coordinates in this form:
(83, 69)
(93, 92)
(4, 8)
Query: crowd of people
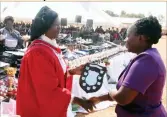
(16, 30)
(11, 38)
(23, 28)
(115, 33)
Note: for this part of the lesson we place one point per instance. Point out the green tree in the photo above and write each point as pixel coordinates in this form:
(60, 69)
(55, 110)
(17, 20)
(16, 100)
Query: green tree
(111, 13)
(131, 15)
(123, 14)
(161, 18)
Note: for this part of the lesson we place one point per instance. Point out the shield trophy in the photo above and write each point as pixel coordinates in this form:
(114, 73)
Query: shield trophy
(91, 79)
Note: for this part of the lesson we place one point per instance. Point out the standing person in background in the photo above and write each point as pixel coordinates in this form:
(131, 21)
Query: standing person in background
(111, 35)
(107, 36)
(112, 31)
(116, 34)
(29, 32)
(117, 31)
(42, 88)
(123, 33)
(11, 35)
(92, 30)
(97, 29)
(109, 30)
(101, 30)
(140, 85)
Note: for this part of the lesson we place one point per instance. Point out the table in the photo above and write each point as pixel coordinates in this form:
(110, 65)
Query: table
(3, 64)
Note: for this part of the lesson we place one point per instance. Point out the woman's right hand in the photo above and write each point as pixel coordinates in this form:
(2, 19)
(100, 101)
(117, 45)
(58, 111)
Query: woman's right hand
(77, 70)
(95, 100)
(86, 104)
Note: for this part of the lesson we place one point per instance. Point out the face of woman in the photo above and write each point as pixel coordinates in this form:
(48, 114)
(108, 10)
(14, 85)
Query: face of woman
(133, 41)
(55, 29)
(136, 43)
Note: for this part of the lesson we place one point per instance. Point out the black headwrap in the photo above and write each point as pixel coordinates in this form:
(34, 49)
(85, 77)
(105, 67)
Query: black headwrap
(42, 22)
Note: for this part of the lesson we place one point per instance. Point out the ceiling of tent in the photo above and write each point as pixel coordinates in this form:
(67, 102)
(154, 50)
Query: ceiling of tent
(28, 10)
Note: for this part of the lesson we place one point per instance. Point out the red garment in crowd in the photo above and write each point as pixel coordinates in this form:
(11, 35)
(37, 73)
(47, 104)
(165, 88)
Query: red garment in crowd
(116, 36)
(41, 86)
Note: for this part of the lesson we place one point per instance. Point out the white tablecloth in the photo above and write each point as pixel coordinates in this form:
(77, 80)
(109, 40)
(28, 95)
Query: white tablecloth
(2, 64)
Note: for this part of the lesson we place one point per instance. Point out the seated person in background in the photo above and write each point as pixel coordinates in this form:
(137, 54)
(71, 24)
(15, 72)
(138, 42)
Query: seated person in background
(13, 39)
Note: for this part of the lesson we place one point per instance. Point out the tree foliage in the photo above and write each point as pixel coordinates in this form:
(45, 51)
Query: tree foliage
(111, 13)
(161, 18)
(124, 14)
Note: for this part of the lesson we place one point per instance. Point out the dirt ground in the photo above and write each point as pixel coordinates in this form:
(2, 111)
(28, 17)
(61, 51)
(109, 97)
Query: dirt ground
(110, 112)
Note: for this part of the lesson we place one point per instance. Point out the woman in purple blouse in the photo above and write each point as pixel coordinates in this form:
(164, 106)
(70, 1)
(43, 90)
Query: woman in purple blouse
(140, 85)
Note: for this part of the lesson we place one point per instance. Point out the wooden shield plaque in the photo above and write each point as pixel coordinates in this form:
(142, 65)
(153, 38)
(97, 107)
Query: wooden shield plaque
(91, 78)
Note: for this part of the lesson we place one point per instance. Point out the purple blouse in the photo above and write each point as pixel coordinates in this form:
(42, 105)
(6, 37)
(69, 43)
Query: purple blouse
(146, 74)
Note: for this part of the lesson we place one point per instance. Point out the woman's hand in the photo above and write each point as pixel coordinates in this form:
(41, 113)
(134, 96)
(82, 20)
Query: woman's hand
(95, 100)
(77, 70)
(86, 104)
